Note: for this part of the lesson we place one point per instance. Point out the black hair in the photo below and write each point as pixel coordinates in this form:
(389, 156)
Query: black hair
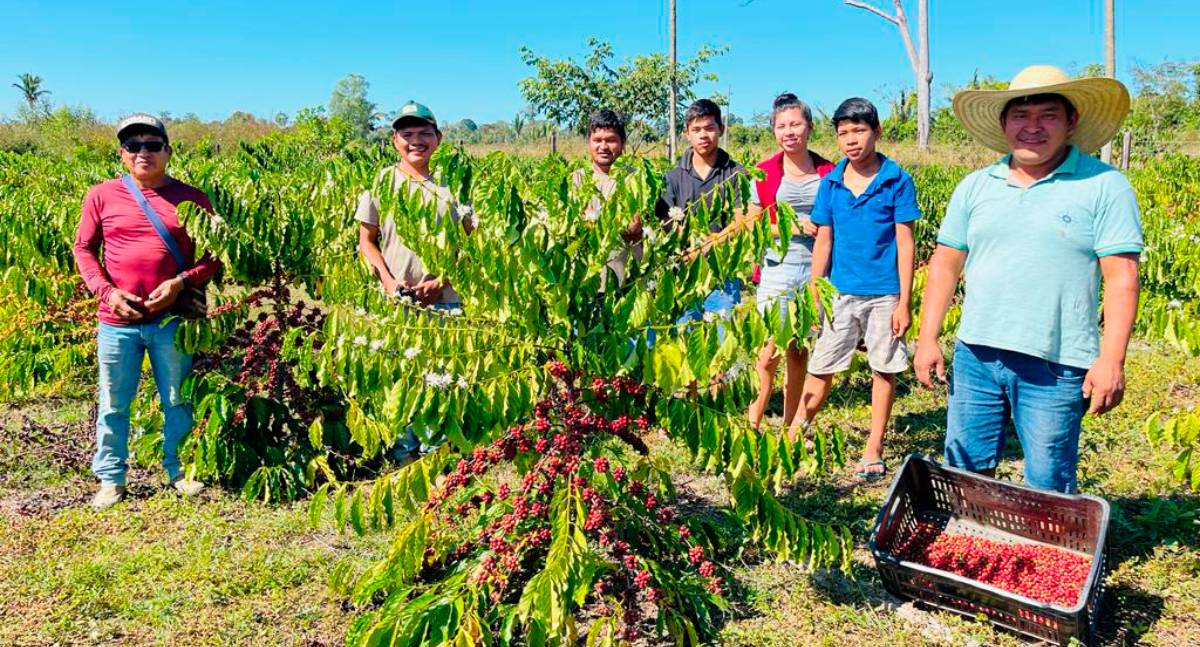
(856, 110)
(1045, 97)
(401, 122)
(703, 108)
(141, 129)
(605, 119)
(787, 101)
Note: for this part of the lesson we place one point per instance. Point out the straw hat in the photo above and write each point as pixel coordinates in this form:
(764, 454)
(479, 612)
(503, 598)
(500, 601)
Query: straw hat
(1102, 104)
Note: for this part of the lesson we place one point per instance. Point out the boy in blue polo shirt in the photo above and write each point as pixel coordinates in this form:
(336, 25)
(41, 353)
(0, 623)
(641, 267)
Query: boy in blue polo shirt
(865, 209)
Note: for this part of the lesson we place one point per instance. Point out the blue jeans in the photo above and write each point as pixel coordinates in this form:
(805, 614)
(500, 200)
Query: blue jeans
(782, 281)
(721, 301)
(1044, 400)
(409, 443)
(119, 353)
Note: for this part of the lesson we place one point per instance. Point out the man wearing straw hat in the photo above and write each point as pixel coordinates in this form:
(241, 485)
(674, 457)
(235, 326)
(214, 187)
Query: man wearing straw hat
(1035, 235)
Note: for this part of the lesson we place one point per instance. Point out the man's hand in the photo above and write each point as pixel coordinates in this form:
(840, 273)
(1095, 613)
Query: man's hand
(633, 233)
(428, 291)
(929, 361)
(814, 291)
(1105, 385)
(697, 252)
(901, 320)
(807, 227)
(125, 305)
(390, 285)
(164, 295)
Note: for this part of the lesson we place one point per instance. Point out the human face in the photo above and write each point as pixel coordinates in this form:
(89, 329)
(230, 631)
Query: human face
(856, 140)
(792, 130)
(605, 146)
(416, 144)
(1037, 133)
(144, 165)
(703, 134)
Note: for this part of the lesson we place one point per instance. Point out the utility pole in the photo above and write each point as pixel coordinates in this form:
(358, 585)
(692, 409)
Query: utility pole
(924, 76)
(674, 100)
(1110, 63)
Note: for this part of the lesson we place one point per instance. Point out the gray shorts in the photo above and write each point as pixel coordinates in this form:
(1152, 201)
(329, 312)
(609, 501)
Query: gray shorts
(857, 319)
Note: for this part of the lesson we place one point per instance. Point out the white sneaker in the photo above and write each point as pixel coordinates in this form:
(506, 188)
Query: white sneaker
(108, 496)
(187, 487)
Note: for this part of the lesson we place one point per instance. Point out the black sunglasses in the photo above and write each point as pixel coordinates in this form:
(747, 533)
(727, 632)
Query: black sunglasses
(136, 147)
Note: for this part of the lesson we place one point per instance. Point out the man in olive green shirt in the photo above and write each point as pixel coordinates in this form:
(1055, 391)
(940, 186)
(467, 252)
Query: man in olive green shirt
(416, 136)
(606, 142)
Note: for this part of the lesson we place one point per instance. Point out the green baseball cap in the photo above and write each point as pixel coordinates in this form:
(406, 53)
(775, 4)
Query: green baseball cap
(413, 110)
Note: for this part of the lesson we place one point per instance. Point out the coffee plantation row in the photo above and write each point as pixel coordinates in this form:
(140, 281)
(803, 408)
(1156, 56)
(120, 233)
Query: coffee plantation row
(542, 519)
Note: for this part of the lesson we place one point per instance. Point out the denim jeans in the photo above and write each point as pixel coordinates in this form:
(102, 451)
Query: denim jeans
(410, 443)
(1044, 400)
(119, 351)
(781, 281)
(721, 301)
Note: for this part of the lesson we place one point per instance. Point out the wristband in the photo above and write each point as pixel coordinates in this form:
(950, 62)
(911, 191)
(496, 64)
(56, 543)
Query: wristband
(184, 279)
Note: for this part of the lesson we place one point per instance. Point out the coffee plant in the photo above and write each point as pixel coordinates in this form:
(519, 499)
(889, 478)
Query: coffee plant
(543, 515)
(1169, 193)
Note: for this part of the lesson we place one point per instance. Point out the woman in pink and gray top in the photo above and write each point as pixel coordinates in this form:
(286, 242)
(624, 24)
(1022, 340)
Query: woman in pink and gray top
(137, 281)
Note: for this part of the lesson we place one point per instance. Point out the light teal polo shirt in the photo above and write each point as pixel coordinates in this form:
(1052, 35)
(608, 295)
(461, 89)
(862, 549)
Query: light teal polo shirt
(1033, 255)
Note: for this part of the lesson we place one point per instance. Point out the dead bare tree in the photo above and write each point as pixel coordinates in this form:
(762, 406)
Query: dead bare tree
(917, 56)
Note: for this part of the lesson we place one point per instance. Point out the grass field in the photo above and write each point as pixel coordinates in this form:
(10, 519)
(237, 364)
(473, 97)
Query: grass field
(161, 570)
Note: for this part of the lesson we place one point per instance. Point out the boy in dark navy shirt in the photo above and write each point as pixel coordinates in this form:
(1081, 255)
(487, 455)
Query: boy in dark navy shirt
(865, 209)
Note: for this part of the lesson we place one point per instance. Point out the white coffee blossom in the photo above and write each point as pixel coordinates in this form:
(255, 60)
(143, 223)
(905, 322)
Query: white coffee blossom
(360, 312)
(735, 370)
(677, 214)
(410, 353)
(651, 285)
(650, 235)
(710, 317)
(456, 312)
(462, 382)
(360, 340)
(1174, 304)
(217, 220)
(377, 344)
(591, 215)
(438, 380)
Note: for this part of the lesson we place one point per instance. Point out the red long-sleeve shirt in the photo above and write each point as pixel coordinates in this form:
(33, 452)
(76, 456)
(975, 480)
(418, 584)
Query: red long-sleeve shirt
(135, 258)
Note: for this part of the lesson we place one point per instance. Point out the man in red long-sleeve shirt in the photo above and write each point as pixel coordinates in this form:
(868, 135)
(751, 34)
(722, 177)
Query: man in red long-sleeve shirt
(137, 281)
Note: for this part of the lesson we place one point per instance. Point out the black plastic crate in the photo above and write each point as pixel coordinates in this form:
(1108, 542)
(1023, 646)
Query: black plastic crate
(999, 510)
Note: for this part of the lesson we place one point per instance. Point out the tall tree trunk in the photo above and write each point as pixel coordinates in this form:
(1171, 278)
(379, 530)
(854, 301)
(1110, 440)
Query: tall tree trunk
(918, 59)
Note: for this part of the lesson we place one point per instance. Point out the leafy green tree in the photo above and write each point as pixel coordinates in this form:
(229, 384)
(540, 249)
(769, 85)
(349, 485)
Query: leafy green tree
(518, 124)
(567, 91)
(901, 122)
(946, 128)
(349, 103)
(1167, 104)
(30, 86)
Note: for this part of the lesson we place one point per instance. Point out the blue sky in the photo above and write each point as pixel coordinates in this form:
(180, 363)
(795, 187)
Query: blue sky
(462, 57)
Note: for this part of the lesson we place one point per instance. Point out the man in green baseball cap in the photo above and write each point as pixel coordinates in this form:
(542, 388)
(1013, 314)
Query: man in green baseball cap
(416, 136)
